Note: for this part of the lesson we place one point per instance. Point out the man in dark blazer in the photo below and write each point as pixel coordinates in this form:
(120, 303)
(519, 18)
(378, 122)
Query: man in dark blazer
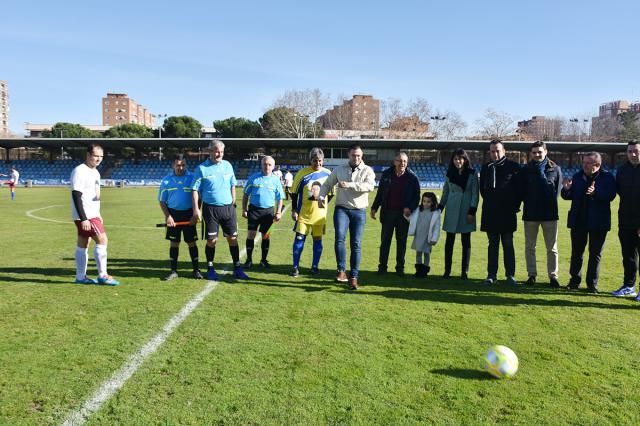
(499, 190)
(398, 196)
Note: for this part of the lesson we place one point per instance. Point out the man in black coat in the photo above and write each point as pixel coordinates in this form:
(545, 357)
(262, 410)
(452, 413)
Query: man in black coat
(398, 196)
(540, 184)
(591, 191)
(628, 188)
(499, 190)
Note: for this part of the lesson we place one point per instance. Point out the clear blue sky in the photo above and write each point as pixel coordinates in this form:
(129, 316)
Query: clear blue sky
(213, 60)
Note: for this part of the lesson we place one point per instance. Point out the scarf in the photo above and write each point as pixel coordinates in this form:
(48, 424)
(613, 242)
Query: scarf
(492, 169)
(541, 166)
(459, 179)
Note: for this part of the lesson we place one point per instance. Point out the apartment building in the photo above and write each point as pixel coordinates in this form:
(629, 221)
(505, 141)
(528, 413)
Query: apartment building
(362, 112)
(4, 108)
(119, 108)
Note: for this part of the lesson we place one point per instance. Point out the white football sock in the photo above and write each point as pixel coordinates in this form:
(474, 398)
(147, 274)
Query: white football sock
(81, 262)
(100, 254)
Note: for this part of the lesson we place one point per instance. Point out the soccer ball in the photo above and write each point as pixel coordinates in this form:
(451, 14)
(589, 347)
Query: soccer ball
(501, 362)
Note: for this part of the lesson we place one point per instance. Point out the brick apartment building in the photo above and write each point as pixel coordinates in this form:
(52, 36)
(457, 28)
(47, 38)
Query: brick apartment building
(119, 108)
(362, 112)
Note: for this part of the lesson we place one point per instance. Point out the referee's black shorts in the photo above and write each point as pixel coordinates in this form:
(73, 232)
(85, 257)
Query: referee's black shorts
(219, 217)
(188, 232)
(259, 218)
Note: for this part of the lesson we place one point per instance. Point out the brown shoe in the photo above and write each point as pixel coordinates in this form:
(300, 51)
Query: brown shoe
(341, 277)
(353, 283)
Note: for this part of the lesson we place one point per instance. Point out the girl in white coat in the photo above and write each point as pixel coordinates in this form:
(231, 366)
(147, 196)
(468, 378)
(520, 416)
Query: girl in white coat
(424, 225)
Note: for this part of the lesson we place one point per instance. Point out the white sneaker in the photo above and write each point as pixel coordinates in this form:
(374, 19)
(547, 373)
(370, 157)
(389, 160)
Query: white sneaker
(625, 291)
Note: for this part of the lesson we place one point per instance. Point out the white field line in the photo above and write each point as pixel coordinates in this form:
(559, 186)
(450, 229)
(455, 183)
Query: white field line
(135, 361)
(31, 214)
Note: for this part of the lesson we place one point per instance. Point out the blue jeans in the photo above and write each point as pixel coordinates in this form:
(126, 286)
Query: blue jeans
(352, 219)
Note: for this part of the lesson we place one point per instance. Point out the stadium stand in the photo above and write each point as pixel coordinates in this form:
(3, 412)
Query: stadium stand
(151, 172)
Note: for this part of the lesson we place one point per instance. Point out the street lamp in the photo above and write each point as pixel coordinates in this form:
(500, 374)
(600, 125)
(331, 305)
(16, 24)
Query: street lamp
(437, 118)
(579, 126)
(159, 117)
(300, 131)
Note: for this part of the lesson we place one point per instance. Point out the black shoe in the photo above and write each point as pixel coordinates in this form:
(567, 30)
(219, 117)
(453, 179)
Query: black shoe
(400, 272)
(531, 281)
(592, 290)
(248, 264)
(572, 286)
(172, 276)
(446, 275)
(294, 272)
(464, 276)
(381, 270)
(553, 283)
(196, 274)
(314, 270)
(265, 264)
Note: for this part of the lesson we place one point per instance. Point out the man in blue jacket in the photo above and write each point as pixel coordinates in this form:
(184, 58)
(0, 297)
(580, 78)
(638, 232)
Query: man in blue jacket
(591, 191)
(540, 183)
(398, 196)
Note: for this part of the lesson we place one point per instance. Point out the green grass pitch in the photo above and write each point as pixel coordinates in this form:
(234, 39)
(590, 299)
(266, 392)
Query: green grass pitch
(282, 350)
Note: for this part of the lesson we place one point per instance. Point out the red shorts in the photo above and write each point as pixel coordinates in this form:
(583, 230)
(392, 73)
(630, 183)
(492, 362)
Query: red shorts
(10, 184)
(97, 228)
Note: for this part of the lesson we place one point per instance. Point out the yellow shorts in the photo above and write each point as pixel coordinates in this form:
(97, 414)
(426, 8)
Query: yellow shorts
(306, 229)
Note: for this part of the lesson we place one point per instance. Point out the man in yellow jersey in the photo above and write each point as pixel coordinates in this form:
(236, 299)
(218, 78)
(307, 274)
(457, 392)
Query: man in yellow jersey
(308, 216)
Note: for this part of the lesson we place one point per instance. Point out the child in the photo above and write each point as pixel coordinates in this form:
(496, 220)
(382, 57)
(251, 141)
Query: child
(424, 225)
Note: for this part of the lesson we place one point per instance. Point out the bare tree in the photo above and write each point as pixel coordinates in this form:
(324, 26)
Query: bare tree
(420, 108)
(337, 118)
(311, 103)
(496, 124)
(447, 124)
(390, 111)
(605, 129)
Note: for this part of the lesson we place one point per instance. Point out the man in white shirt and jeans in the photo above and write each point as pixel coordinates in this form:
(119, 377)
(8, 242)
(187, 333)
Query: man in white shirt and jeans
(353, 181)
(85, 209)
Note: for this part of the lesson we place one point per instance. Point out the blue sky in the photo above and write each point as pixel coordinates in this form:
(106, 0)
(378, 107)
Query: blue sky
(213, 60)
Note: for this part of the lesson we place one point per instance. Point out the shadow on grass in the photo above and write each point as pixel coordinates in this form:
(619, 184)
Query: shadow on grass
(464, 373)
(43, 275)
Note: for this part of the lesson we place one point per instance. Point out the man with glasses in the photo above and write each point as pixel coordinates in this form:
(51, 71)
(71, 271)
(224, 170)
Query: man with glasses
(398, 196)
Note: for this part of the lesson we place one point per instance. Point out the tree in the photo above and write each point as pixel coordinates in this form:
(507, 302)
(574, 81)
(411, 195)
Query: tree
(181, 127)
(630, 130)
(447, 124)
(310, 103)
(69, 130)
(284, 122)
(605, 129)
(129, 130)
(495, 124)
(233, 127)
(390, 111)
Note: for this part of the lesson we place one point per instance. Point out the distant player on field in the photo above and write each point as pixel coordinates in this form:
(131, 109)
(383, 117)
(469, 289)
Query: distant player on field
(262, 193)
(174, 197)
(14, 178)
(85, 209)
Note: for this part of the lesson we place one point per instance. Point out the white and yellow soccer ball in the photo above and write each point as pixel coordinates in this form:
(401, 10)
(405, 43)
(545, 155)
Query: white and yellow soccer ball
(501, 362)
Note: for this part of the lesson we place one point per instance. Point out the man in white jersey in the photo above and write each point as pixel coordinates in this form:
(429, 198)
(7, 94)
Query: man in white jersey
(14, 178)
(85, 209)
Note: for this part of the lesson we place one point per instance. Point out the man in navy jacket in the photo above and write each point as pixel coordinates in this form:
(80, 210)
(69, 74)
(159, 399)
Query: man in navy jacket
(540, 183)
(591, 191)
(628, 187)
(398, 196)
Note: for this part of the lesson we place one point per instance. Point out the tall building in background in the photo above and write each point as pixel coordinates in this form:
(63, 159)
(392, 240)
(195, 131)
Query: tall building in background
(362, 112)
(4, 108)
(119, 108)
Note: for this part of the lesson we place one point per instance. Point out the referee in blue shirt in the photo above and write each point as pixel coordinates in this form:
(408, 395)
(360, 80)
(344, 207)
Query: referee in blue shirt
(174, 197)
(215, 181)
(262, 192)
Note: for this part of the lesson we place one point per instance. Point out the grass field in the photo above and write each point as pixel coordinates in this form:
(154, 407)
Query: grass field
(282, 350)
